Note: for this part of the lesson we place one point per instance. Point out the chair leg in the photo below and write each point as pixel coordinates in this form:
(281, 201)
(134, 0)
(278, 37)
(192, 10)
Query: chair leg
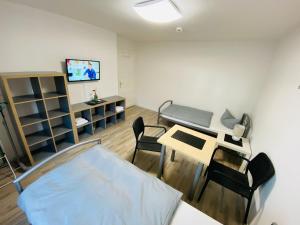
(135, 150)
(205, 172)
(203, 189)
(247, 209)
(173, 156)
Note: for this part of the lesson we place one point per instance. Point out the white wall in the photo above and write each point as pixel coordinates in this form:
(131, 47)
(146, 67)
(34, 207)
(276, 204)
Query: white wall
(34, 40)
(207, 75)
(276, 132)
(126, 69)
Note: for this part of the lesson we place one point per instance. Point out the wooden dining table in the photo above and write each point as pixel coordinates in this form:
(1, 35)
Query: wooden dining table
(190, 143)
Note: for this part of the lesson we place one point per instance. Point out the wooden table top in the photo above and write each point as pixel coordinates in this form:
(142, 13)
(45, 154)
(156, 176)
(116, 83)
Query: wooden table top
(202, 156)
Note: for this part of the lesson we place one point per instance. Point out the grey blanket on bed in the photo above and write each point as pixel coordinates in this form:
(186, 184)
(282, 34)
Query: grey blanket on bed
(188, 114)
(98, 188)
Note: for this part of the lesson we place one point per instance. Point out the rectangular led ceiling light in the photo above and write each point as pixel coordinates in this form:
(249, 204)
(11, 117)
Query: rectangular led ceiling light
(158, 11)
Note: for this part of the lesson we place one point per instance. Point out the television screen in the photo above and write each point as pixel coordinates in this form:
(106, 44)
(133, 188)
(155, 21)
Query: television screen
(82, 70)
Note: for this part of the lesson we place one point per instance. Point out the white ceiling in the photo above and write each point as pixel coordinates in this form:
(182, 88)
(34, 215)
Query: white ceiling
(202, 19)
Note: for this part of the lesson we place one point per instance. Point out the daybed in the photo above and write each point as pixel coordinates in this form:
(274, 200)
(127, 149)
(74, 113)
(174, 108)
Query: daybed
(200, 120)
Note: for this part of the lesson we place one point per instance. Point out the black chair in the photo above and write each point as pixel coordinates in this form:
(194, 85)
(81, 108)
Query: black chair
(260, 167)
(144, 142)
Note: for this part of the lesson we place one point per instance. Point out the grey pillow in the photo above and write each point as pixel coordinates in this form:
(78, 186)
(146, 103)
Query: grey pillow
(228, 120)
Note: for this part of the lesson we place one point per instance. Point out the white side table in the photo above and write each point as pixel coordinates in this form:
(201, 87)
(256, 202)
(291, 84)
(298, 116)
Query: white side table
(245, 149)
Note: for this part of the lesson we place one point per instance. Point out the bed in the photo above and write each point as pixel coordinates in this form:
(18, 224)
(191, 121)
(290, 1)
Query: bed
(187, 214)
(200, 120)
(97, 187)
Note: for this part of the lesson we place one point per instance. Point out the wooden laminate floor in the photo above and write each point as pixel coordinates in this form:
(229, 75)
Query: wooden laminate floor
(217, 202)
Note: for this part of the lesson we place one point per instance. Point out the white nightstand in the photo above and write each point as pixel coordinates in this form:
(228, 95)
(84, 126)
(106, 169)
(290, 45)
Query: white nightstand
(244, 149)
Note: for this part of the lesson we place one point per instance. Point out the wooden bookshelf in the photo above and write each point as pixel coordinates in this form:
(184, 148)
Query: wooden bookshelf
(40, 109)
(43, 117)
(100, 116)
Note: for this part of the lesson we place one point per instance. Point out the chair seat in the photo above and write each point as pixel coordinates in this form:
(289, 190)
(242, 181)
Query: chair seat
(238, 182)
(149, 143)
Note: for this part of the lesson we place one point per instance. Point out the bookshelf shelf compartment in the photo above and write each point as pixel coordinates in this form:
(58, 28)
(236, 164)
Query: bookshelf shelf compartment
(37, 138)
(110, 109)
(26, 99)
(85, 132)
(51, 95)
(37, 133)
(53, 86)
(64, 141)
(97, 118)
(59, 130)
(98, 130)
(97, 113)
(41, 154)
(61, 125)
(25, 89)
(43, 150)
(121, 103)
(56, 113)
(83, 125)
(86, 114)
(110, 121)
(99, 126)
(63, 145)
(109, 113)
(120, 116)
(57, 107)
(84, 136)
(31, 112)
(32, 119)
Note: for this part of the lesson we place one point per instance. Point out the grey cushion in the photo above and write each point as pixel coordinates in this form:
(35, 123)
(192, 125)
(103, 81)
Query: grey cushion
(228, 120)
(188, 114)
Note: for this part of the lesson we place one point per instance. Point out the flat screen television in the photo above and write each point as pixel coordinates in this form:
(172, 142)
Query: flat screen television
(82, 70)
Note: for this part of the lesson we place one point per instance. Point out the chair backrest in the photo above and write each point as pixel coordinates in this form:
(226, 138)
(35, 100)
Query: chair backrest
(138, 127)
(261, 169)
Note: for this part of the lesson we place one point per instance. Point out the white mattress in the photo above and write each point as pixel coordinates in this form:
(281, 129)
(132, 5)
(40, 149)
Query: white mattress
(186, 214)
(189, 114)
(215, 126)
(101, 188)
